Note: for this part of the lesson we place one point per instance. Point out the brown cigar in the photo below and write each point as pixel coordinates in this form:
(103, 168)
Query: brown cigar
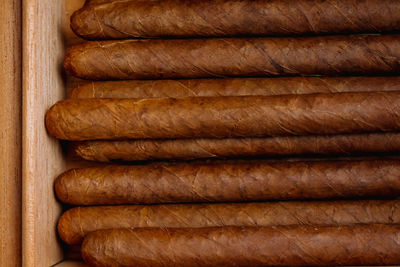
(76, 223)
(234, 87)
(222, 117)
(195, 58)
(228, 181)
(188, 18)
(245, 246)
(187, 149)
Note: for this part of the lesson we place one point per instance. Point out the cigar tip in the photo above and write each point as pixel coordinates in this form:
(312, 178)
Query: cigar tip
(69, 65)
(86, 151)
(60, 186)
(77, 57)
(83, 91)
(53, 121)
(86, 251)
(76, 92)
(50, 118)
(68, 227)
(85, 24)
(74, 147)
(74, 21)
(90, 251)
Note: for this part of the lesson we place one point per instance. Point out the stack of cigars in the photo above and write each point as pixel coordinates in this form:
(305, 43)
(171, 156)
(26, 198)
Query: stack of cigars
(238, 126)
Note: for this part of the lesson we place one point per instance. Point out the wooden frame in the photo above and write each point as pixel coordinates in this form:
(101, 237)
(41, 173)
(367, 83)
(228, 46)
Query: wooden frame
(46, 35)
(10, 132)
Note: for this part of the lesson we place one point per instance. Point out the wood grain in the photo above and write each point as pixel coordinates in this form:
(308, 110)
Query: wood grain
(45, 31)
(10, 133)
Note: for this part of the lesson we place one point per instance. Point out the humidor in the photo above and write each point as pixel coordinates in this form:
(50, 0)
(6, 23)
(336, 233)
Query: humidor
(46, 35)
(10, 133)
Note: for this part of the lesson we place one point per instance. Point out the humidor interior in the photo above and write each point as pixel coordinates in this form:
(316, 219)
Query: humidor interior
(46, 35)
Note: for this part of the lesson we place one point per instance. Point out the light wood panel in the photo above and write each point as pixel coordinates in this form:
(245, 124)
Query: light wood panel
(10, 133)
(45, 31)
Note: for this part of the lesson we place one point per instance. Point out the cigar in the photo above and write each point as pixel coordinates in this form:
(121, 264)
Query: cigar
(224, 117)
(196, 58)
(233, 87)
(188, 149)
(228, 182)
(76, 223)
(188, 18)
(245, 246)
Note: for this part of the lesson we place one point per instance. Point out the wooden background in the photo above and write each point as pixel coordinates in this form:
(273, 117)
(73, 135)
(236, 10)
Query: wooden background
(46, 35)
(10, 133)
